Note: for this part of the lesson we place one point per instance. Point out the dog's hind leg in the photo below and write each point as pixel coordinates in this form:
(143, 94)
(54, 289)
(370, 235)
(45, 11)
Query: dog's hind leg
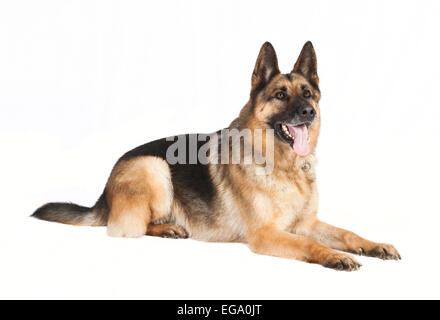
(138, 192)
(129, 217)
(167, 230)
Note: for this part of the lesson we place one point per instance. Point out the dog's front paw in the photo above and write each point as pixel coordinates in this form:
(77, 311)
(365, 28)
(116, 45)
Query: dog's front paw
(342, 262)
(385, 252)
(381, 251)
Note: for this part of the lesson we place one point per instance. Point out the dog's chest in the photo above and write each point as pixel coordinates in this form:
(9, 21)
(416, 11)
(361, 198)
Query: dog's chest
(292, 194)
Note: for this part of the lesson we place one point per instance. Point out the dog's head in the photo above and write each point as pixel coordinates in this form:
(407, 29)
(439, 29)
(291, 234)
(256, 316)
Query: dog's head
(287, 103)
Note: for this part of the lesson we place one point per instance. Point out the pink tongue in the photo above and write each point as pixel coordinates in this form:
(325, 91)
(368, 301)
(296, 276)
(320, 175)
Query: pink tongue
(301, 135)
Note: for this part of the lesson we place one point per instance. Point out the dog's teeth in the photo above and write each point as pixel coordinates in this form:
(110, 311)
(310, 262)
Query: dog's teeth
(286, 131)
(308, 139)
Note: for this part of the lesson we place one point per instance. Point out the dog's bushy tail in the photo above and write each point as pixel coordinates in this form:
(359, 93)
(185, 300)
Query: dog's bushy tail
(70, 213)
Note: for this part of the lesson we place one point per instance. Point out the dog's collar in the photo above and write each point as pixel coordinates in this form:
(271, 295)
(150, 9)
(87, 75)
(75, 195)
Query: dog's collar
(306, 166)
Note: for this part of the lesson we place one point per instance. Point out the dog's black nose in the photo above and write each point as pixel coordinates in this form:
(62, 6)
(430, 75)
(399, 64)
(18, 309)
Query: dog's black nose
(307, 113)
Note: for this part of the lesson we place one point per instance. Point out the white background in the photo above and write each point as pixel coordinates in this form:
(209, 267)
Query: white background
(81, 82)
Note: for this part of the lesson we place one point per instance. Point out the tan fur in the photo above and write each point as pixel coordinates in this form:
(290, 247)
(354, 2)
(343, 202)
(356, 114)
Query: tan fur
(139, 191)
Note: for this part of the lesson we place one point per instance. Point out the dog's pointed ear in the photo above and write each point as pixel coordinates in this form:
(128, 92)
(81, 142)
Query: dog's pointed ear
(266, 66)
(307, 65)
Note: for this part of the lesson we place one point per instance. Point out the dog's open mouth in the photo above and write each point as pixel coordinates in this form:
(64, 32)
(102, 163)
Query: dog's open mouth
(295, 135)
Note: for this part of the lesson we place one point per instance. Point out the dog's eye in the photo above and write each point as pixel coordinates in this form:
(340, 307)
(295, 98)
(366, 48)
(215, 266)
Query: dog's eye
(280, 95)
(307, 94)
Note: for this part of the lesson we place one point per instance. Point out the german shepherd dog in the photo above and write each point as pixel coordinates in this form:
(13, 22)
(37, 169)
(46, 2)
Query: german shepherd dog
(275, 213)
